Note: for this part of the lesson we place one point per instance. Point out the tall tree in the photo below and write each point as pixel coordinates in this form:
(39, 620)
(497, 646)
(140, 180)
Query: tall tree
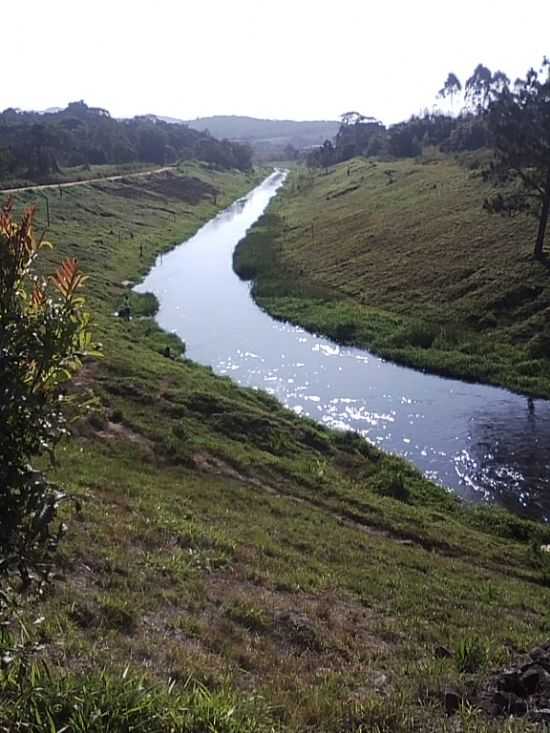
(519, 123)
(483, 86)
(451, 87)
(476, 89)
(352, 118)
(326, 154)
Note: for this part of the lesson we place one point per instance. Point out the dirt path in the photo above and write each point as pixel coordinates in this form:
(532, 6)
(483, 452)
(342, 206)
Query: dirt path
(68, 184)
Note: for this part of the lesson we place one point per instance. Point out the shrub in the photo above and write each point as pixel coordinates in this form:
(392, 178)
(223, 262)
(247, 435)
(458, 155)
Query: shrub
(143, 305)
(539, 346)
(345, 332)
(44, 334)
(394, 486)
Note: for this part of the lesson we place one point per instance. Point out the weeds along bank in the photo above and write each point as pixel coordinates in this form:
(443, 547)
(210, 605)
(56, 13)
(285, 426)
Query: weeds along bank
(252, 570)
(401, 258)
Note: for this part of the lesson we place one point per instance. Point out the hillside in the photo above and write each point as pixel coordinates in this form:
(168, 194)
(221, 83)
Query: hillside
(400, 257)
(278, 575)
(37, 147)
(277, 132)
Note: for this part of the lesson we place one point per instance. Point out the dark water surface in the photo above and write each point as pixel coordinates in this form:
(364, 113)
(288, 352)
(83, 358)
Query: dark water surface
(484, 442)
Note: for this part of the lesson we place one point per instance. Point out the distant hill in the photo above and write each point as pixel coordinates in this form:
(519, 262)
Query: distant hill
(37, 145)
(264, 134)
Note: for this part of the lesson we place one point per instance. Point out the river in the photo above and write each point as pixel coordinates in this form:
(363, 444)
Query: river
(485, 443)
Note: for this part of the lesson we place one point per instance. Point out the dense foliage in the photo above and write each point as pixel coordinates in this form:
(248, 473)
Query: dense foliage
(519, 122)
(366, 136)
(513, 121)
(36, 145)
(465, 131)
(44, 334)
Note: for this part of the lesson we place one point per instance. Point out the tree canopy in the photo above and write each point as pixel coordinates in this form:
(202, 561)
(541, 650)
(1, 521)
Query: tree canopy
(519, 123)
(451, 87)
(35, 145)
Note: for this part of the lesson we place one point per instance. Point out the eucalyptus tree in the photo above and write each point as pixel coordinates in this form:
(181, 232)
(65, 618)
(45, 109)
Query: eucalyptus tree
(518, 120)
(451, 88)
(482, 86)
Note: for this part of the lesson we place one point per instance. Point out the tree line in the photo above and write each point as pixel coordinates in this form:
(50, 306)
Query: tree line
(36, 145)
(510, 119)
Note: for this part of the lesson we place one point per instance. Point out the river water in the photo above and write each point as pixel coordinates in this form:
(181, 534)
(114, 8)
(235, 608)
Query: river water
(484, 442)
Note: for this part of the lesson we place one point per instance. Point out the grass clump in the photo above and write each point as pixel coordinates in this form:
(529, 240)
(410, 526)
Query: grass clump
(471, 654)
(36, 699)
(117, 614)
(248, 615)
(395, 487)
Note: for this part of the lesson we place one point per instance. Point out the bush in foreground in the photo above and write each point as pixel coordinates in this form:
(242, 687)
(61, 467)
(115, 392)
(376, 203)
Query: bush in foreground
(44, 335)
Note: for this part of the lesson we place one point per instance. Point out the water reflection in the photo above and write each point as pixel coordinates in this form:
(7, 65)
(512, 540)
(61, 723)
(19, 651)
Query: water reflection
(484, 442)
(509, 455)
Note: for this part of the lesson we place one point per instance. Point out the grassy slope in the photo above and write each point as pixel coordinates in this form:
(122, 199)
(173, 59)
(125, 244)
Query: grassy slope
(225, 538)
(79, 173)
(413, 269)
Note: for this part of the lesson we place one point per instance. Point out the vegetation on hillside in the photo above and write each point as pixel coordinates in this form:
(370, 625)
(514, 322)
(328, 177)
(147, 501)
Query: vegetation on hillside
(35, 145)
(235, 567)
(514, 121)
(400, 257)
(519, 124)
(270, 139)
(466, 131)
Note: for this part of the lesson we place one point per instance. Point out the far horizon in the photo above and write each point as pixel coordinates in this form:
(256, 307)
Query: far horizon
(54, 108)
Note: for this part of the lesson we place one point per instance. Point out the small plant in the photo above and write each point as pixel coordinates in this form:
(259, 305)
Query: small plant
(318, 468)
(471, 654)
(117, 416)
(190, 627)
(118, 615)
(249, 616)
(394, 486)
(44, 335)
(181, 432)
(539, 556)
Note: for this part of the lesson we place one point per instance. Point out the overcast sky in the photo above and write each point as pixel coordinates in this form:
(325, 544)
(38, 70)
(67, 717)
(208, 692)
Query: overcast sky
(297, 59)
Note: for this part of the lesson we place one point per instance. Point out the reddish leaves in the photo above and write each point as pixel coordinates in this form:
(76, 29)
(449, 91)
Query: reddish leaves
(68, 278)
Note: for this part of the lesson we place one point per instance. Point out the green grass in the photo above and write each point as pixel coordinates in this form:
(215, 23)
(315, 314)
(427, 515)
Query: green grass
(119, 703)
(79, 173)
(297, 576)
(414, 270)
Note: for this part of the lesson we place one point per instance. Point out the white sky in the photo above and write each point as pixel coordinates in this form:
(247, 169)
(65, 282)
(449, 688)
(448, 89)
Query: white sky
(297, 59)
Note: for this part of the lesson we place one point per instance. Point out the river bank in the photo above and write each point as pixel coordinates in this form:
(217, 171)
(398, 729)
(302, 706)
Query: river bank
(485, 444)
(303, 578)
(409, 266)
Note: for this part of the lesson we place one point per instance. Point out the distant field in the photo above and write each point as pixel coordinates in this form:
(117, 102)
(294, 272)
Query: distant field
(400, 257)
(266, 135)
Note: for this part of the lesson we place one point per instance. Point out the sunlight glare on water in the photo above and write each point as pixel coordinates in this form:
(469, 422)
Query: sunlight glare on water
(486, 443)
